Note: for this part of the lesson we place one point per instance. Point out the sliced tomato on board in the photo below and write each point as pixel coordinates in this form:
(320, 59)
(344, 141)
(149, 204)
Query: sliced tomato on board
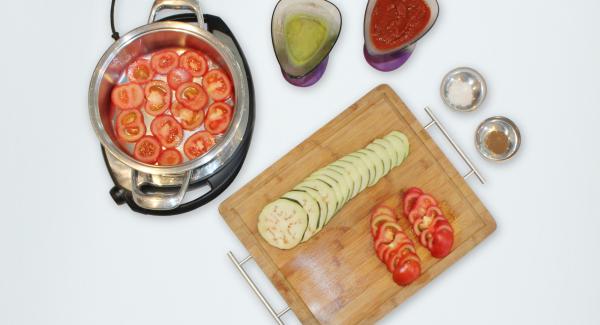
(410, 197)
(423, 202)
(158, 97)
(178, 76)
(441, 243)
(170, 157)
(217, 85)
(140, 71)
(393, 256)
(192, 96)
(407, 271)
(198, 144)
(164, 61)
(167, 130)
(189, 119)
(127, 96)
(386, 233)
(147, 149)
(193, 62)
(130, 125)
(218, 117)
(377, 220)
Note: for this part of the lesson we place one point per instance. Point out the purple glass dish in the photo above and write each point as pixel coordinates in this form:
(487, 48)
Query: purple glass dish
(394, 58)
(309, 79)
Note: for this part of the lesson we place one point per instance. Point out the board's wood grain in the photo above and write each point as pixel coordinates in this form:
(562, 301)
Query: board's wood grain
(335, 278)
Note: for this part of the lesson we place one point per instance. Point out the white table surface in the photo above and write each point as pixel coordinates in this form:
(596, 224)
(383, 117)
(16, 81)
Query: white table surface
(69, 255)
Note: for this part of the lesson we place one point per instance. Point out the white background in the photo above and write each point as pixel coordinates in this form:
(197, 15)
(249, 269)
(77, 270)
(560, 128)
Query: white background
(69, 255)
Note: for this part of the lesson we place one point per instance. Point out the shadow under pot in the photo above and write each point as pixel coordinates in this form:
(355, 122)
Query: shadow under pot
(303, 33)
(392, 29)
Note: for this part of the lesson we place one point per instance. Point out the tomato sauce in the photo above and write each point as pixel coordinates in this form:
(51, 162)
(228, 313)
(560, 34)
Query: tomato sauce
(397, 22)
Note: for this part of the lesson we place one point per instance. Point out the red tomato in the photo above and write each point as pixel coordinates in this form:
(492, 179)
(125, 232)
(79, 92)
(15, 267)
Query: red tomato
(198, 144)
(167, 130)
(127, 96)
(189, 119)
(218, 118)
(441, 243)
(193, 62)
(386, 233)
(177, 77)
(380, 250)
(410, 197)
(400, 240)
(158, 97)
(377, 220)
(147, 149)
(170, 157)
(130, 125)
(423, 203)
(192, 96)
(164, 61)
(140, 71)
(398, 254)
(217, 85)
(407, 272)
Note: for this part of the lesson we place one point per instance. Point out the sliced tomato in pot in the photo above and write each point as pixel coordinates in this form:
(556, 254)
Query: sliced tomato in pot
(140, 71)
(198, 144)
(218, 118)
(193, 62)
(167, 130)
(178, 76)
(158, 97)
(130, 125)
(170, 157)
(164, 61)
(127, 96)
(217, 85)
(189, 119)
(192, 96)
(147, 149)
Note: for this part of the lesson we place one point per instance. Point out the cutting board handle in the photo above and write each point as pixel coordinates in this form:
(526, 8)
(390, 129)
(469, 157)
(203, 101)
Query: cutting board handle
(240, 267)
(435, 121)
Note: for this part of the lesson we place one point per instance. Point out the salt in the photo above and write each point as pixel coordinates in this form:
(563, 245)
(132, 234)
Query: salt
(460, 93)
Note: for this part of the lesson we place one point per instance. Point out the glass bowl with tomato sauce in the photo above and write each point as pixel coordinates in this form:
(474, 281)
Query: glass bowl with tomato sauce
(392, 28)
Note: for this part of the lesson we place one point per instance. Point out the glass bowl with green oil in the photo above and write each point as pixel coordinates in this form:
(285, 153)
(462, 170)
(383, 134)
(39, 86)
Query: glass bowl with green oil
(303, 33)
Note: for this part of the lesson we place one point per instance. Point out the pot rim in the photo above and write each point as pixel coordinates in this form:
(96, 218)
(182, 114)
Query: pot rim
(238, 125)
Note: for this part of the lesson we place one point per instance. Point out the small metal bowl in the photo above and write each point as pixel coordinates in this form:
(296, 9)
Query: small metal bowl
(501, 124)
(473, 79)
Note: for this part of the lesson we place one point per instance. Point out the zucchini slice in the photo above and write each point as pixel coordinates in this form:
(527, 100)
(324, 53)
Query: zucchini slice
(389, 148)
(382, 153)
(282, 223)
(326, 193)
(352, 175)
(362, 169)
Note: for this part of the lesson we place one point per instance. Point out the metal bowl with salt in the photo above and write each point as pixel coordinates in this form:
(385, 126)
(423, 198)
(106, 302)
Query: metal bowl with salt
(497, 138)
(463, 89)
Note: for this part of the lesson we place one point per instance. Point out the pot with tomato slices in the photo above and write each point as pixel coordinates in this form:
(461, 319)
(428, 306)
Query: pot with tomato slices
(172, 106)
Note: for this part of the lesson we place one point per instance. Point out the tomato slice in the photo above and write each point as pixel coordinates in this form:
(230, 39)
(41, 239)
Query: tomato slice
(127, 96)
(147, 149)
(409, 200)
(189, 119)
(400, 240)
(158, 97)
(377, 220)
(217, 85)
(380, 250)
(167, 130)
(170, 157)
(130, 125)
(164, 61)
(192, 96)
(441, 243)
(423, 203)
(218, 118)
(178, 76)
(193, 62)
(397, 255)
(198, 144)
(386, 233)
(406, 272)
(140, 71)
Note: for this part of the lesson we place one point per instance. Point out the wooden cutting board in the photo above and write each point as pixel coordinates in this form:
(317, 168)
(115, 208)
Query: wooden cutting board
(336, 278)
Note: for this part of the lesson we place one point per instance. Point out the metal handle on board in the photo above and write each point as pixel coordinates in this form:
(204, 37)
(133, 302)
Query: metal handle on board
(435, 121)
(240, 268)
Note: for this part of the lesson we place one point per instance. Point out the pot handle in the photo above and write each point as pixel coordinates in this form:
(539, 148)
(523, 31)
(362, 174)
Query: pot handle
(158, 201)
(192, 5)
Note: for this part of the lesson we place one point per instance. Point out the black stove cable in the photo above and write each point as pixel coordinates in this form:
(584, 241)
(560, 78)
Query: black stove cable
(114, 35)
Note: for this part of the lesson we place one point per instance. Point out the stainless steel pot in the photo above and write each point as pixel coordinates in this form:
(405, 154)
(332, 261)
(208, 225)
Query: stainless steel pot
(149, 38)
